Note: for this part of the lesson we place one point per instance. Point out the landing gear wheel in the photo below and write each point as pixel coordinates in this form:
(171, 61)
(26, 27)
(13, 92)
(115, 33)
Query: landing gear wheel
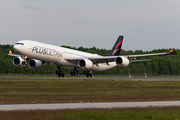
(71, 73)
(59, 72)
(75, 72)
(87, 75)
(62, 75)
(91, 75)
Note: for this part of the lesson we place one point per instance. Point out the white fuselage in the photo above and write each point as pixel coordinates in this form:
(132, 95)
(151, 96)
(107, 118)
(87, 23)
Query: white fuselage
(57, 55)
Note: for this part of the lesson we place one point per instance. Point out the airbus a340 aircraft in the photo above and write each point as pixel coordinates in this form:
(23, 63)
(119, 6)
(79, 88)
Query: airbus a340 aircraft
(35, 54)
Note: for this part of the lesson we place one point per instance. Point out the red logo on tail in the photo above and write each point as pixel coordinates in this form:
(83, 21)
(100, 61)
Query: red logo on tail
(117, 47)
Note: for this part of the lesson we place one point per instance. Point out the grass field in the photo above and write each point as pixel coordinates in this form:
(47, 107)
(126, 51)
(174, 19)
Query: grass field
(61, 91)
(149, 113)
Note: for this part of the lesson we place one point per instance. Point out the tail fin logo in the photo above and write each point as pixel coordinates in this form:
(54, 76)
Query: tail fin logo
(171, 51)
(10, 52)
(117, 49)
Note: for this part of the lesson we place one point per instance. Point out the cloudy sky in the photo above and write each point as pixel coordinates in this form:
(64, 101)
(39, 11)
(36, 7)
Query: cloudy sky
(146, 24)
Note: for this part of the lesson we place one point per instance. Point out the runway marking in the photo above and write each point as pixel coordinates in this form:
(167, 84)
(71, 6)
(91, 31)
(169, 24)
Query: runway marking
(13, 107)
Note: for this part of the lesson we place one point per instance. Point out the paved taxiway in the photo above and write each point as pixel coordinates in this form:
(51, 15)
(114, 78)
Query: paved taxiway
(87, 105)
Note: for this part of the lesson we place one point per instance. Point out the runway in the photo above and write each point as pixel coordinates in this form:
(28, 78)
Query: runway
(109, 105)
(105, 79)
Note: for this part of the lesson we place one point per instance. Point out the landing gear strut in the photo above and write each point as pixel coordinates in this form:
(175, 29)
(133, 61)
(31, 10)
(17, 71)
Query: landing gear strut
(88, 73)
(75, 72)
(59, 72)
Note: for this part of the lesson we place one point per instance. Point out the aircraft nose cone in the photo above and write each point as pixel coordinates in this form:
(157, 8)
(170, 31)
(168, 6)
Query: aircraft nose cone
(15, 47)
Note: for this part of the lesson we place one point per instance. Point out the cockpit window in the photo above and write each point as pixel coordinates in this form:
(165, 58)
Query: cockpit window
(19, 43)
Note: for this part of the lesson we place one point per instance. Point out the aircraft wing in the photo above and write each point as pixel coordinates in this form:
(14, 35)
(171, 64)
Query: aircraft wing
(95, 60)
(106, 59)
(132, 57)
(14, 55)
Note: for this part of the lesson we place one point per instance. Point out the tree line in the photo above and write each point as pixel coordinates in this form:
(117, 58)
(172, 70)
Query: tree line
(163, 65)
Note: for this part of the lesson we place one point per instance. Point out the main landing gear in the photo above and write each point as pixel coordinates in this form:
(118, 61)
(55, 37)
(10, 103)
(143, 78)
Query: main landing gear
(75, 72)
(88, 73)
(59, 72)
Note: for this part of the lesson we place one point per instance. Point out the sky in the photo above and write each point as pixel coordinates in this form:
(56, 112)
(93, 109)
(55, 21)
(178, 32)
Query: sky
(145, 24)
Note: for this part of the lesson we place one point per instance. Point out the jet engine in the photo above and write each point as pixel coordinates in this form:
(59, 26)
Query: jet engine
(18, 61)
(36, 64)
(122, 61)
(85, 63)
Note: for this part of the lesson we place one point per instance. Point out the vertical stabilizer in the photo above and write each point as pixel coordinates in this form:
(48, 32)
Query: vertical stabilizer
(117, 47)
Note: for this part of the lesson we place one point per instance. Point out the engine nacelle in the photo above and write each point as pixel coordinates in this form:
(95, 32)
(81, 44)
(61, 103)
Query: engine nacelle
(18, 61)
(122, 61)
(36, 64)
(85, 63)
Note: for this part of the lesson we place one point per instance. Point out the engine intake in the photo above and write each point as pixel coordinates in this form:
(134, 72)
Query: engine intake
(122, 61)
(18, 61)
(85, 63)
(36, 64)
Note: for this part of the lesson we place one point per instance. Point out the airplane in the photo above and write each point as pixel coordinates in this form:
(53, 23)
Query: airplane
(35, 54)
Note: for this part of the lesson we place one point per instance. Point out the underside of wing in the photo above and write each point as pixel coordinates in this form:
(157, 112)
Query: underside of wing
(14, 55)
(95, 60)
(120, 60)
